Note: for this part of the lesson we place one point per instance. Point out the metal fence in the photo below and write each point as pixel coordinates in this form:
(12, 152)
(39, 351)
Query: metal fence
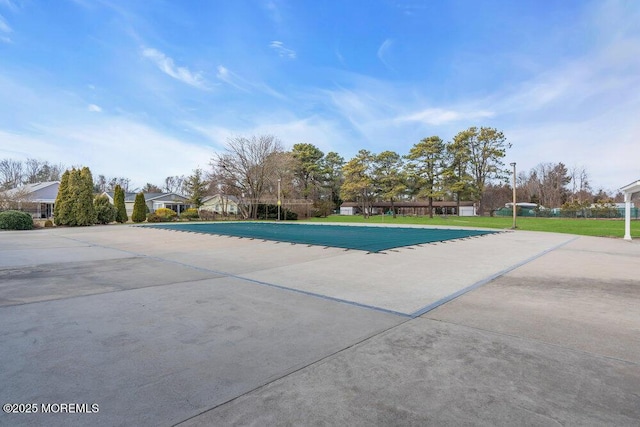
(604, 213)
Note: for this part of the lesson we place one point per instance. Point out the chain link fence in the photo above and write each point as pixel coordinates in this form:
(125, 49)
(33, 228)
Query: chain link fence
(601, 212)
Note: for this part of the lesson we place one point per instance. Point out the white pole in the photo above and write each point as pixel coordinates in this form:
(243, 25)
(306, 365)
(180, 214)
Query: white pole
(279, 199)
(514, 195)
(627, 216)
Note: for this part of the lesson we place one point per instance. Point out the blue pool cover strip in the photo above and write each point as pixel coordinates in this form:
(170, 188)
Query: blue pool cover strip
(364, 238)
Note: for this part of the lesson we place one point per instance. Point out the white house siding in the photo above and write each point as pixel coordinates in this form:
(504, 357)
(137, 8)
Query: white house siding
(347, 210)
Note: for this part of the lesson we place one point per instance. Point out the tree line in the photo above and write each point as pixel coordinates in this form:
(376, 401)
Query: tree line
(254, 169)
(470, 167)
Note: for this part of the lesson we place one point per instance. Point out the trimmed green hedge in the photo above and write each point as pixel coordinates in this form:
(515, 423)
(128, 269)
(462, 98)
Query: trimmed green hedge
(15, 220)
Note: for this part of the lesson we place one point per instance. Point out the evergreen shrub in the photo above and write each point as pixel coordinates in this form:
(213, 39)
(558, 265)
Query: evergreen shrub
(140, 208)
(105, 211)
(15, 220)
(74, 202)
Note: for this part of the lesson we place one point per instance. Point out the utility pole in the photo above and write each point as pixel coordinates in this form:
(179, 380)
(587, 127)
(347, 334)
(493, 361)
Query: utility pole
(514, 195)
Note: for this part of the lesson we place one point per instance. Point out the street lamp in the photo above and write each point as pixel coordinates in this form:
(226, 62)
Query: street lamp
(279, 203)
(514, 195)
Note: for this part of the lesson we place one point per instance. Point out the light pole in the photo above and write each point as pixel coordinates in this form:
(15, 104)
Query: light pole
(514, 195)
(279, 199)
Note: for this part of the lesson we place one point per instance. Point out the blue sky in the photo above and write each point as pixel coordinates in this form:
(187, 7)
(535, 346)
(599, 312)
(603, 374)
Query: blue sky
(146, 89)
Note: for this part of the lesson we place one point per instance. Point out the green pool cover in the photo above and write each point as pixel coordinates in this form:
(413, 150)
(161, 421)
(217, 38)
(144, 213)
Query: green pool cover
(372, 239)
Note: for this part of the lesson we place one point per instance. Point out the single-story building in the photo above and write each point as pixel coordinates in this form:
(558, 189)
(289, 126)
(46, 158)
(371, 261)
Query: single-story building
(418, 208)
(220, 204)
(176, 202)
(524, 205)
(36, 199)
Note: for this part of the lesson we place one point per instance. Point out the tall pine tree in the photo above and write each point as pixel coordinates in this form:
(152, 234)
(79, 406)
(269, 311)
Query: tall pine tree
(196, 186)
(74, 201)
(62, 207)
(83, 209)
(139, 213)
(74, 194)
(118, 201)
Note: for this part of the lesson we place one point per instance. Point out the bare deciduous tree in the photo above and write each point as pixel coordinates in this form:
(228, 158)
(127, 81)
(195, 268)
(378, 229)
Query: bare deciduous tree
(496, 196)
(16, 198)
(580, 185)
(31, 170)
(11, 174)
(248, 168)
(124, 183)
(174, 184)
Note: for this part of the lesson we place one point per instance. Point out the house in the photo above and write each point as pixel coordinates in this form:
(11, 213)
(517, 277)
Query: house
(220, 204)
(37, 199)
(176, 202)
(412, 208)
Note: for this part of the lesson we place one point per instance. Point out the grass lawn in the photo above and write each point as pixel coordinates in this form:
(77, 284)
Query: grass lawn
(584, 227)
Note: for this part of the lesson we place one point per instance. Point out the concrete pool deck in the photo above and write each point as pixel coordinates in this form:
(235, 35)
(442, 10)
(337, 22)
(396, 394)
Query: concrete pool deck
(163, 328)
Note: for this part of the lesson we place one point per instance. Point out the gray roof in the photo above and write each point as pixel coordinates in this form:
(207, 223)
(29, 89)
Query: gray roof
(131, 197)
(31, 188)
(164, 196)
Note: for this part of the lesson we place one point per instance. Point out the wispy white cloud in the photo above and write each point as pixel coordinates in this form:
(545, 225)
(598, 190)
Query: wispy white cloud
(61, 127)
(282, 50)
(167, 65)
(273, 11)
(290, 129)
(359, 106)
(578, 108)
(115, 146)
(581, 110)
(9, 5)
(438, 116)
(411, 7)
(5, 29)
(231, 78)
(340, 57)
(383, 51)
(606, 146)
